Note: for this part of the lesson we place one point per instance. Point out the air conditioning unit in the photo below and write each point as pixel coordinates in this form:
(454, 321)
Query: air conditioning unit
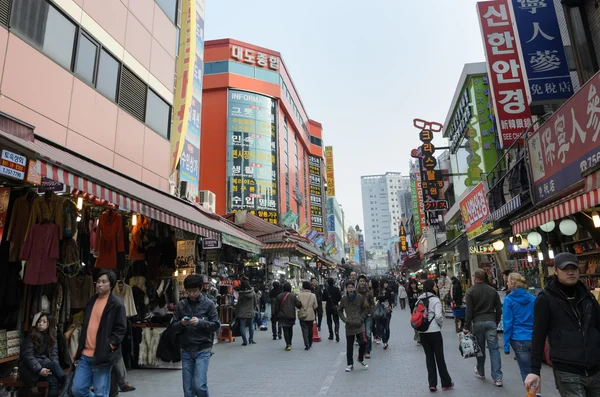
(208, 200)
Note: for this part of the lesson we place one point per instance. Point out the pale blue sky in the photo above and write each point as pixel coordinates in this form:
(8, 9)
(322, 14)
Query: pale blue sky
(363, 69)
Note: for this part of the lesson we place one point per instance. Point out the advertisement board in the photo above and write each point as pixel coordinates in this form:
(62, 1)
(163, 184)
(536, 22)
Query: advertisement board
(361, 250)
(474, 209)
(487, 134)
(417, 200)
(329, 171)
(567, 144)
(252, 155)
(505, 71)
(316, 196)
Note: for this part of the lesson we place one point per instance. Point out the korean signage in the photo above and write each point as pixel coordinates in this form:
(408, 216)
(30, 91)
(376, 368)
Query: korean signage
(254, 58)
(431, 179)
(33, 173)
(437, 205)
(329, 171)
(289, 219)
(252, 155)
(361, 250)
(417, 194)
(4, 198)
(403, 245)
(567, 144)
(331, 223)
(303, 229)
(13, 165)
(505, 71)
(542, 51)
(316, 196)
(211, 244)
(487, 135)
(474, 209)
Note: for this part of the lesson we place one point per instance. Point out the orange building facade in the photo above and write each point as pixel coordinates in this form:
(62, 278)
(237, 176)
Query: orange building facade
(259, 150)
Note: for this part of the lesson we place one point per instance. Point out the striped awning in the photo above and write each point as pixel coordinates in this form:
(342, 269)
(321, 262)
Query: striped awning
(506, 209)
(287, 246)
(576, 202)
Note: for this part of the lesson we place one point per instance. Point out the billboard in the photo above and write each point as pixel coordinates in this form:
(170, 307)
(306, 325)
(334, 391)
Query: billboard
(567, 144)
(505, 71)
(252, 154)
(316, 194)
(329, 171)
(542, 51)
(417, 199)
(474, 209)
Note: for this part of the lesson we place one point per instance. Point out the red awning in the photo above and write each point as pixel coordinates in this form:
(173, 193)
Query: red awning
(287, 246)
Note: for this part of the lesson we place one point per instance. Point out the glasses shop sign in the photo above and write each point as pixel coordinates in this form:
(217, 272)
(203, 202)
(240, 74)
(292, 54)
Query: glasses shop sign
(13, 165)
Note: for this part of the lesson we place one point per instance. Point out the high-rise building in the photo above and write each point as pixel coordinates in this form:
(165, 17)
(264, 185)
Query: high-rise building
(381, 209)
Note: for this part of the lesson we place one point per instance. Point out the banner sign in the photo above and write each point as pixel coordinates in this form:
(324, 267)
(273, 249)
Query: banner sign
(48, 185)
(329, 171)
(186, 248)
(474, 209)
(361, 250)
(289, 218)
(542, 51)
(418, 193)
(403, 245)
(303, 229)
(438, 205)
(13, 165)
(567, 144)
(316, 197)
(505, 71)
(211, 244)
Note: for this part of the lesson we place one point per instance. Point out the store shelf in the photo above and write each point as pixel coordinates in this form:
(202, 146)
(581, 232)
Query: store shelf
(9, 359)
(588, 253)
(579, 241)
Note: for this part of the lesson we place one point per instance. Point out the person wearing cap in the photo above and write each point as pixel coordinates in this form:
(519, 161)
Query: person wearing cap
(568, 315)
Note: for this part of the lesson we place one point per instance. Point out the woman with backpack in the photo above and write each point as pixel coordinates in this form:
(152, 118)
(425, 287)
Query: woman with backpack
(386, 300)
(431, 336)
(285, 312)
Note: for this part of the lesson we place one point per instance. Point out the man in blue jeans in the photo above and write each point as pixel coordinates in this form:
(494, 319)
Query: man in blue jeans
(369, 300)
(484, 312)
(195, 321)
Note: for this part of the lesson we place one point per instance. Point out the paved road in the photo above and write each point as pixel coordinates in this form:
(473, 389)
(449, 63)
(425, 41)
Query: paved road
(265, 370)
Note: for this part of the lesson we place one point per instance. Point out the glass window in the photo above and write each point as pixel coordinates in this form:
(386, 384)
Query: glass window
(157, 114)
(85, 61)
(240, 68)
(216, 67)
(59, 38)
(267, 75)
(107, 81)
(169, 7)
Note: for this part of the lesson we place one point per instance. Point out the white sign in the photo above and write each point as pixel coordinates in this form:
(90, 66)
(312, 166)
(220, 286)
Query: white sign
(13, 165)
(254, 57)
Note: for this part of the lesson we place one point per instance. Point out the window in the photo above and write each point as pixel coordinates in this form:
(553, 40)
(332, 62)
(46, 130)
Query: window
(107, 80)
(158, 114)
(169, 7)
(267, 75)
(316, 141)
(240, 68)
(85, 61)
(216, 67)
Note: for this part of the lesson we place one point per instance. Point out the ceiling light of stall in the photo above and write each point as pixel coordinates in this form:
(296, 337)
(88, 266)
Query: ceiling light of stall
(596, 219)
(540, 255)
(529, 258)
(550, 252)
(134, 220)
(79, 203)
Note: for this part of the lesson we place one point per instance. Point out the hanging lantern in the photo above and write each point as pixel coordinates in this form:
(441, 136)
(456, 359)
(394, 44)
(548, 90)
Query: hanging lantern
(498, 245)
(548, 227)
(524, 243)
(534, 238)
(568, 227)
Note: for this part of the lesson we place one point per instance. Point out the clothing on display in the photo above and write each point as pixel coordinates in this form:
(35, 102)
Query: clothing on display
(46, 208)
(41, 253)
(148, 346)
(136, 247)
(109, 236)
(125, 293)
(82, 289)
(17, 228)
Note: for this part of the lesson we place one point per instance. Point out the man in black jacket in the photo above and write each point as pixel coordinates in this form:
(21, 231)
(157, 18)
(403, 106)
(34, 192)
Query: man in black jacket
(104, 326)
(195, 321)
(569, 316)
(318, 291)
(332, 297)
(275, 324)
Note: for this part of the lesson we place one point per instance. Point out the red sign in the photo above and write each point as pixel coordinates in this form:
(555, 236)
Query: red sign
(4, 198)
(507, 83)
(474, 209)
(566, 145)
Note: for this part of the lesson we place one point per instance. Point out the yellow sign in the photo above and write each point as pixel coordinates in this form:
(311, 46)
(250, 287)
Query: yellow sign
(303, 229)
(329, 171)
(184, 86)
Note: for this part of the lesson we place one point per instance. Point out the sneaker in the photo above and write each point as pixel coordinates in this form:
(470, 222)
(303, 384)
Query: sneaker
(307, 348)
(367, 356)
(127, 388)
(364, 365)
(448, 387)
(432, 389)
(288, 348)
(253, 342)
(275, 338)
(349, 368)
(244, 344)
(330, 337)
(385, 346)
(498, 383)
(378, 341)
(476, 373)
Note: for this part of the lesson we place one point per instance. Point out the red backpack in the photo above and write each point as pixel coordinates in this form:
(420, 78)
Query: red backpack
(419, 319)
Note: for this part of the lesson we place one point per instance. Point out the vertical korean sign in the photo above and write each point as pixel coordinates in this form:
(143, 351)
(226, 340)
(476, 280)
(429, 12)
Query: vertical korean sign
(361, 250)
(542, 51)
(330, 172)
(252, 155)
(417, 193)
(316, 196)
(507, 81)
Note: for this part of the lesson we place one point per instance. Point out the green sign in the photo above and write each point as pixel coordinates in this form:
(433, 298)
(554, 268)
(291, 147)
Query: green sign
(289, 218)
(415, 204)
(240, 243)
(485, 125)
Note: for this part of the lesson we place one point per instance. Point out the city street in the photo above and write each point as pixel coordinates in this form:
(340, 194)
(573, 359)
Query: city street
(266, 369)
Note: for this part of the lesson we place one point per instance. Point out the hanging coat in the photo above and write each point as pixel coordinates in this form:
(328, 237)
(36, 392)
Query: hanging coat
(17, 228)
(109, 235)
(50, 210)
(41, 253)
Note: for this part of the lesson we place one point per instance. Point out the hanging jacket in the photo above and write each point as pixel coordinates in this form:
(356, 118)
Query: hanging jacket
(109, 235)
(41, 253)
(169, 349)
(124, 292)
(517, 317)
(49, 210)
(17, 228)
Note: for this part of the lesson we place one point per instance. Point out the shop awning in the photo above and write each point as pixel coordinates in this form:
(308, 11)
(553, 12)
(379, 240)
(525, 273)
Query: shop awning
(286, 246)
(570, 205)
(506, 209)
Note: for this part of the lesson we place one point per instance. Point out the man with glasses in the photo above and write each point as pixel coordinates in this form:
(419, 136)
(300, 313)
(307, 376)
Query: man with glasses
(195, 322)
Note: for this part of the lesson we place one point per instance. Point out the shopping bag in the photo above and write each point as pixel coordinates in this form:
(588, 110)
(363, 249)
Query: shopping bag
(379, 312)
(468, 346)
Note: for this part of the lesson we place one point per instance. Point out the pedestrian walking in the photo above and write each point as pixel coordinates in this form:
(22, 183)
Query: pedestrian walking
(195, 322)
(318, 291)
(99, 348)
(353, 313)
(444, 286)
(307, 313)
(568, 315)
(386, 299)
(369, 303)
(517, 318)
(402, 296)
(245, 311)
(395, 286)
(332, 297)
(413, 296)
(505, 275)
(285, 312)
(484, 311)
(275, 324)
(431, 339)
(456, 292)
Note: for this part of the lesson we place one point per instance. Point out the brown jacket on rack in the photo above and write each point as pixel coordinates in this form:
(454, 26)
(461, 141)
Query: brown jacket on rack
(41, 253)
(109, 235)
(17, 229)
(46, 210)
(136, 240)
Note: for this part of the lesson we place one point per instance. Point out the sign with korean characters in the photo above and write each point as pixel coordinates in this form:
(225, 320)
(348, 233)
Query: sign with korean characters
(567, 144)
(303, 229)
(505, 71)
(474, 209)
(316, 196)
(402, 234)
(361, 250)
(488, 135)
(13, 165)
(252, 155)
(431, 179)
(542, 51)
(289, 218)
(329, 171)
(418, 193)
(254, 58)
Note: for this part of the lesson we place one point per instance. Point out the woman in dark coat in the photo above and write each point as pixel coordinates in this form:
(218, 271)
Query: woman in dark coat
(245, 310)
(457, 293)
(39, 356)
(413, 294)
(285, 312)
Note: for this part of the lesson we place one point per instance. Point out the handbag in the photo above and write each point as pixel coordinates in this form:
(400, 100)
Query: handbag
(468, 346)
(379, 312)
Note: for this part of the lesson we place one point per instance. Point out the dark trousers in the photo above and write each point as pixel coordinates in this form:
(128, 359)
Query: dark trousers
(402, 303)
(275, 327)
(319, 315)
(56, 380)
(288, 333)
(433, 345)
(573, 385)
(383, 327)
(333, 318)
(307, 332)
(362, 346)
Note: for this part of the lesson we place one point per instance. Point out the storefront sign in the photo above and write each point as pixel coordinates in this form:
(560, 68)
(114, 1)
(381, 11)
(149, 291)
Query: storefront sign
(33, 173)
(4, 199)
(474, 209)
(255, 58)
(239, 243)
(289, 219)
(303, 229)
(418, 199)
(316, 197)
(319, 240)
(505, 71)
(330, 171)
(312, 234)
(567, 144)
(48, 185)
(481, 249)
(402, 234)
(438, 205)
(488, 136)
(331, 223)
(186, 248)
(542, 51)
(361, 250)
(13, 165)
(211, 244)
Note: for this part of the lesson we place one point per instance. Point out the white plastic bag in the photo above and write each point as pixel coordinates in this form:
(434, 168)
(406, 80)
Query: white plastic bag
(468, 346)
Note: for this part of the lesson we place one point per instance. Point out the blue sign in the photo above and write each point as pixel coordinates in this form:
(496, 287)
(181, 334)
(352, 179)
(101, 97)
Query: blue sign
(543, 52)
(331, 223)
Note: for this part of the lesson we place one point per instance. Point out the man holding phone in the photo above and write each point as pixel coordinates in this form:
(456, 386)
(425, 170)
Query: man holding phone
(195, 322)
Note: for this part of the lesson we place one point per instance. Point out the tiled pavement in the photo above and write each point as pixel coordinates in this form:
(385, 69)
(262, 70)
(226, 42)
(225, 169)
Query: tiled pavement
(265, 370)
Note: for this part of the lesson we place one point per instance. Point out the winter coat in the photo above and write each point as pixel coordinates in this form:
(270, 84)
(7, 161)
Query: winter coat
(457, 293)
(368, 299)
(517, 317)
(434, 309)
(41, 251)
(194, 338)
(401, 292)
(332, 297)
(353, 313)
(109, 239)
(309, 303)
(32, 360)
(111, 331)
(285, 308)
(169, 349)
(247, 304)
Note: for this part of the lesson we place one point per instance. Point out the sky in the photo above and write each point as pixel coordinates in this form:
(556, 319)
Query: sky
(364, 70)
